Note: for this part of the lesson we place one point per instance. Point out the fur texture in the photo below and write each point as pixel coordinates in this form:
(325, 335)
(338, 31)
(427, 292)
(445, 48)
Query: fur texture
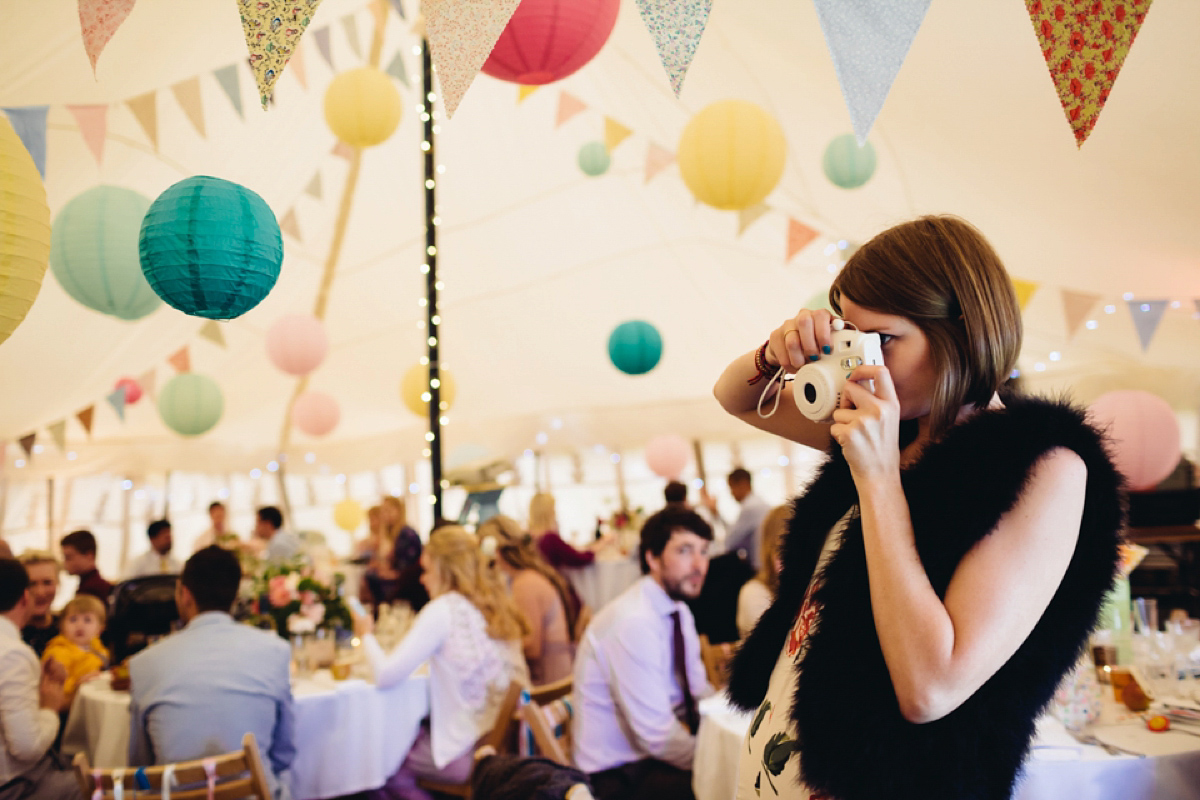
(856, 744)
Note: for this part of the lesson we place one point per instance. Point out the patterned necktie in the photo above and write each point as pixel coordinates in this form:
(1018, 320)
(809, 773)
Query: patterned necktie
(689, 701)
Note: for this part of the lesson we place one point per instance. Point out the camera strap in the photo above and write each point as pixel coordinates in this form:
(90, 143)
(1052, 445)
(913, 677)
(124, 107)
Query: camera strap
(779, 376)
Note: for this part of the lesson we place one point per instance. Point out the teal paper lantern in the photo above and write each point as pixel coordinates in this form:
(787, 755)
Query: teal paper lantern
(846, 164)
(94, 252)
(211, 248)
(594, 159)
(635, 347)
(191, 404)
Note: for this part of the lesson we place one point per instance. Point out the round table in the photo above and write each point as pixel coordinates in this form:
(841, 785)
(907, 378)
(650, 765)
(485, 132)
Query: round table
(1058, 765)
(349, 735)
(605, 578)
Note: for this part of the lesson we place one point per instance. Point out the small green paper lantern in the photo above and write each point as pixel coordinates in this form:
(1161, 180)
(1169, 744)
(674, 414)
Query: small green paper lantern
(594, 159)
(94, 252)
(191, 404)
(635, 347)
(210, 248)
(846, 164)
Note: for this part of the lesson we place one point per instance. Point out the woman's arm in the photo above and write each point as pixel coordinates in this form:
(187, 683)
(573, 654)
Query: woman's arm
(429, 630)
(561, 554)
(526, 596)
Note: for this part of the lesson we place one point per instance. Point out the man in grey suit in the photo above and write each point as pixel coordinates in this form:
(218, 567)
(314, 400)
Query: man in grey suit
(197, 692)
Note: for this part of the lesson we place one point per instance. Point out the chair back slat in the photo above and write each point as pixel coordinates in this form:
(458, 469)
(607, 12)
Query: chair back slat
(551, 729)
(551, 691)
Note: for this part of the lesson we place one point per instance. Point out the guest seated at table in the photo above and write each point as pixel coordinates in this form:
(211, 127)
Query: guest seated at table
(79, 558)
(543, 527)
(198, 692)
(78, 647)
(395, 572)
(470, 634)
(281, 545)
(42, 568)
(5, 550)
(639, 674)
(158, 559)
(758, 593)
(30, 699)
(368, 546)
(541, 595)
(217, 533)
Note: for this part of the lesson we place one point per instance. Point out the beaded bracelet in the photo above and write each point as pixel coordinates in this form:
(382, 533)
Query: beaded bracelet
(764, 367)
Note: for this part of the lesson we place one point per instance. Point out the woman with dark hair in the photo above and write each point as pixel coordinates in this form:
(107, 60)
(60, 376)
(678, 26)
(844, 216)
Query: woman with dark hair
(944, 569)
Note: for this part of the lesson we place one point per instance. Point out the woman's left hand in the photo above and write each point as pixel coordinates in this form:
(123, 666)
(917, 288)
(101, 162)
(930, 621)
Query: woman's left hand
(867, 425)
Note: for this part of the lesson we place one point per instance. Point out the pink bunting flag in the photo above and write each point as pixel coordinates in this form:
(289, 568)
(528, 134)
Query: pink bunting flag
(298, 68)
(799, 236)
(181, 360)
(343, 150)
(568, 106)
(1076, 307)
(99, 20)
(676, 27)
(658, 158)
(273, 29)
(93, 126)
(461, 35)
(148, 381)
(289, 225)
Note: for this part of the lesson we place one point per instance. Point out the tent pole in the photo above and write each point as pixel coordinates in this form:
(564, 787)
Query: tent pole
(283, 492)
(432, 285)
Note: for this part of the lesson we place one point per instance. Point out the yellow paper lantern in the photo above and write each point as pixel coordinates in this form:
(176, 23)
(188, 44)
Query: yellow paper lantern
(731, 155)
(416, 384)
(348, 515)
(362, 107)
(24, 230)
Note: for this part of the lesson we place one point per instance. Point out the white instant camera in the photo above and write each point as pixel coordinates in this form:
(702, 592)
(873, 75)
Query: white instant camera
(817, 387)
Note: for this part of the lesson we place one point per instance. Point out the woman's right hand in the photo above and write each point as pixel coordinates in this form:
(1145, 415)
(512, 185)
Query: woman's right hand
(801, 339)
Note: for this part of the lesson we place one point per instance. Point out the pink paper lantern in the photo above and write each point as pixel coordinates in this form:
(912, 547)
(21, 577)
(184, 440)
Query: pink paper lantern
(315, 413)
(667, 455)
(1144, 434)
(297, 343)
(547, 40)
(133, 390)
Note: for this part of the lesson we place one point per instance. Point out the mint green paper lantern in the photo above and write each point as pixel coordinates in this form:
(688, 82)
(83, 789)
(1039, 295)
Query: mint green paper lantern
(94, 252)
(594, 159)
(191, 404)
(635, 347)
(846, 164)
(211, 248)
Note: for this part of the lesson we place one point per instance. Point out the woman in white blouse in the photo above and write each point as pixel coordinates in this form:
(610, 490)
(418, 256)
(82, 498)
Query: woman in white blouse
(470, 634)
(758, 593)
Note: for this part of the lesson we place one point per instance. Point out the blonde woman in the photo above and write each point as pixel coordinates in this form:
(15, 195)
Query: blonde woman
(470, 634)
(758, 592)
(543, 527)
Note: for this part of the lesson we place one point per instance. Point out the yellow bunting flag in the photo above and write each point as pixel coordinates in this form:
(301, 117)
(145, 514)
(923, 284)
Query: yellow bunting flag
(98, 21)
(187, 94)
(181, 360)
(461, 35)
(568, 106)
(93, 126)
(85, 418)
(289, 225)
(1024, 290)
(614, 133)
(799, 236)
(145, 111)
(1076, 307)
(58, 432)
(27, 443)
(314, 187)
(273, 29)
(1084, 45)
(748, 216)
(525, 91)
(658, 158)
(212, 332)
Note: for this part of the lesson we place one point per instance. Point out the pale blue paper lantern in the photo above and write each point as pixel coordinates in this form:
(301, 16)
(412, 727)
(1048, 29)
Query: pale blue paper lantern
(846, 164)
(191, 404)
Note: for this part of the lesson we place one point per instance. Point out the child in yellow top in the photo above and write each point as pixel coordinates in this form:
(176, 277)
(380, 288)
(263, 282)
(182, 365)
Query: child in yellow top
(77, 647)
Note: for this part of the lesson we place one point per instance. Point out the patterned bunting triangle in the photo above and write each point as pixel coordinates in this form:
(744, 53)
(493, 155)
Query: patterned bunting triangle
(799, 236)
(676, 27)
(1024, 290)
(397, 69)
(98, 21)
(187, 94)
(324, 44)
(145, 111)
(30, 124)
(232, 86)
(93, 126)
(568, 106)
(748, 216)
(181, 360)
(525, 91)
(116, 399)
(149, 382)
(212, 332)
(1084, 45)
(351, 26)
(1076, 307)
(614, 133)
(314, 187)
(273, 29)
(658, 158)
(85, 418)
(58, 432)
(27, 442)
(289, 225)
(461, 35)
(1147, 314)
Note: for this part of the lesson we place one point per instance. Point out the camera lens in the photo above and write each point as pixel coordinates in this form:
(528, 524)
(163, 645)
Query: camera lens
(810, 393)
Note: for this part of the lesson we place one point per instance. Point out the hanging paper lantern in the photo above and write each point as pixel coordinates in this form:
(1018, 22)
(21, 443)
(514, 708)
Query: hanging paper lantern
(547, 40)
(316, 413)
(731, 155)
(1144, 435)
(415, 386)
(24, 230)
(667, 455)
(94, 252)
(190, 404)
(846, 164)
(133, 390)
(348, 515)
(362, 107)
(210, 248)
(594, 159)
(297, 343)
(635, 347)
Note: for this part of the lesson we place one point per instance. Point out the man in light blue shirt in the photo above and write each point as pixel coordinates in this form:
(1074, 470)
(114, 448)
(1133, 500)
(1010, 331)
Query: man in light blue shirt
(198, 692)
(744, 535)
(282, 546)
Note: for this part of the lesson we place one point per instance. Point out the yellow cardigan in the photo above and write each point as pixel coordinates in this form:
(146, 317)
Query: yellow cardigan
(77, 660)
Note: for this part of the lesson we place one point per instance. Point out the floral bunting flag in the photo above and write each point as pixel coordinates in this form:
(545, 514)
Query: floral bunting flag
(1147, 314)
(231, 84)
(116, 399)
(93, 126)
(30, 124)
(289, 225)
(324, 45)
(187, 94)
(1024, 290)
(397, 69)
(525, 91)
(614, 134)
(145, 111)
(658, 158)
(676, 27)
(27, 442)
(85, 418)
(1085, 43)
(351, 26)
(181, 360)
(461, 35)
(568, 106)
(212, 332)
(273, 29)
(58, 432)
(1076, 307)
(314, 187)
(799, 236)
(98, 21)
(748, 216)
(868, 40)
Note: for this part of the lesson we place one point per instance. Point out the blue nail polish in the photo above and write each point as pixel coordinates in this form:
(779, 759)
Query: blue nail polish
(827, 349)
(814, 358)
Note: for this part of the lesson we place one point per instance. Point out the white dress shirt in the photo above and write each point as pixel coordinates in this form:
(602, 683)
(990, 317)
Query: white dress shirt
(628, 702)
(151, 563)
(27, 729)
(469, 672)
(744, 533)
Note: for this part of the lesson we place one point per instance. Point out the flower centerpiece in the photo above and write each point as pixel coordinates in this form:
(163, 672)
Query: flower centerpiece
(295, 598)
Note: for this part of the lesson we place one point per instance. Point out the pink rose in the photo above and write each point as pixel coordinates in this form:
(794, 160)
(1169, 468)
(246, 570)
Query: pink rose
(278, 592)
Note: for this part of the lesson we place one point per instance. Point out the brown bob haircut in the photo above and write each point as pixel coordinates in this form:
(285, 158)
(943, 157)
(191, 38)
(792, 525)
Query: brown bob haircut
(941, 273)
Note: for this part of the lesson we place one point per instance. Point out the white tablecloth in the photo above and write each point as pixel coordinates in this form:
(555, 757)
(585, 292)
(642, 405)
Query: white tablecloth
(1058, 766)
(349, 735)
(604, 578)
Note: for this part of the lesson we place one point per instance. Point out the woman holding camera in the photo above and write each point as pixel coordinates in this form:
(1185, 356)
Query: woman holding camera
(944, 569)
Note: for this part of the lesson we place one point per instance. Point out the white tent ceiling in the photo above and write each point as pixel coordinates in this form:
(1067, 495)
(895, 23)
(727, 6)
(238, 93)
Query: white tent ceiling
(540, 262)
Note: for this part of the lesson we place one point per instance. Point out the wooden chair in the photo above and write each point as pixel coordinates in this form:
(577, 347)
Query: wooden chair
(501, 738)
(551, 691)
(716, 659)
(550, 725)
(238, 775)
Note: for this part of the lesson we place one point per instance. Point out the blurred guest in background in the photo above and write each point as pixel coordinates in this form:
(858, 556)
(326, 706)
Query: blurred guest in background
(675, 493)
(217, 532)
(281, 545)
(79, 558)
(158, 559)
(42, 569)
(742, 535)
(759, 592)
(543, 527)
